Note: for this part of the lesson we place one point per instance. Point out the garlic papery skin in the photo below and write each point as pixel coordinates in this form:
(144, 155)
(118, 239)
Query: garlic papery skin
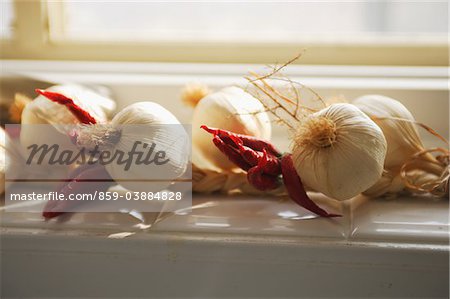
(339, 151)
(403, 139)
(42, 111)
(148, 123)
(230, 109)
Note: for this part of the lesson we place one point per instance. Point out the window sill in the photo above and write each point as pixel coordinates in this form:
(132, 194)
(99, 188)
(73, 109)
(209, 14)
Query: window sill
(254, 246)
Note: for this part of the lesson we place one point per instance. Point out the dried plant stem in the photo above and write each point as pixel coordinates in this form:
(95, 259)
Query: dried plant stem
(280, 101)
(425, 161)
(324, 104)
(437, 187)
(270, 88)
(426, 165)
(278, 69)
(291, 123)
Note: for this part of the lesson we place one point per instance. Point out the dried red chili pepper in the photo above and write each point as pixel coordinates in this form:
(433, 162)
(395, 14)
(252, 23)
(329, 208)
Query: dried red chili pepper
(82, 115)
(81, 181)
(232, 153)
(296, 189)
(250, 141)
(264, 165)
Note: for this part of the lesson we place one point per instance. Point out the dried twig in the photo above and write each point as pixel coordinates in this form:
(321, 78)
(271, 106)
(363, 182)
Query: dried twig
(278, 69)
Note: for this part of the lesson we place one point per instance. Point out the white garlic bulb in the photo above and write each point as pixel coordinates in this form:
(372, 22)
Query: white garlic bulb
(230, 109)
(42, 111)
(148, 123)
(339, 151)
(403, 139)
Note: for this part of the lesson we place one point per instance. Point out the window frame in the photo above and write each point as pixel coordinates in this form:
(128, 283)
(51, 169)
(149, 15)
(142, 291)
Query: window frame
(31, 40)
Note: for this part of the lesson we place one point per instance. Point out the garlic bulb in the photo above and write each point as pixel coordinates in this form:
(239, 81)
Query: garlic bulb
(148, 123)
(230, 109)
(403, 142)
(403, 139)
(339, 151)
(43, 111)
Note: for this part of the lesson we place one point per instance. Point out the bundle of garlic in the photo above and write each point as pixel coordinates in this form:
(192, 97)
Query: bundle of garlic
(408, 164)
(230, 108)
(42, 111)
(338, 150)
(140, 126)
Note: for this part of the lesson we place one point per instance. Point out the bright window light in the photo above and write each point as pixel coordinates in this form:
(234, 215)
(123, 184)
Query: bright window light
(253, 21)
(6, 19)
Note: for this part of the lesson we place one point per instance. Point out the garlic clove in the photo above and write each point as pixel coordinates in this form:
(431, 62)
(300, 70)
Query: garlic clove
(339, 151)
(230, 109)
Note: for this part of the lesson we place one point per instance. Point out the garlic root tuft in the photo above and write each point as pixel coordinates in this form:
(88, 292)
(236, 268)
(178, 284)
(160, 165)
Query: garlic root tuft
(192, 93)
(103, 136)
(316, 131)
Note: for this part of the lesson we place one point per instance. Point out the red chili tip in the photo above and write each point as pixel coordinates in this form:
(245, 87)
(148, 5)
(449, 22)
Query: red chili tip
(55, 97)
(51, 211)
(82, 115)
(51, 215)
(39, 91)
(209, 130)
(333, 215)
(296, 190)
